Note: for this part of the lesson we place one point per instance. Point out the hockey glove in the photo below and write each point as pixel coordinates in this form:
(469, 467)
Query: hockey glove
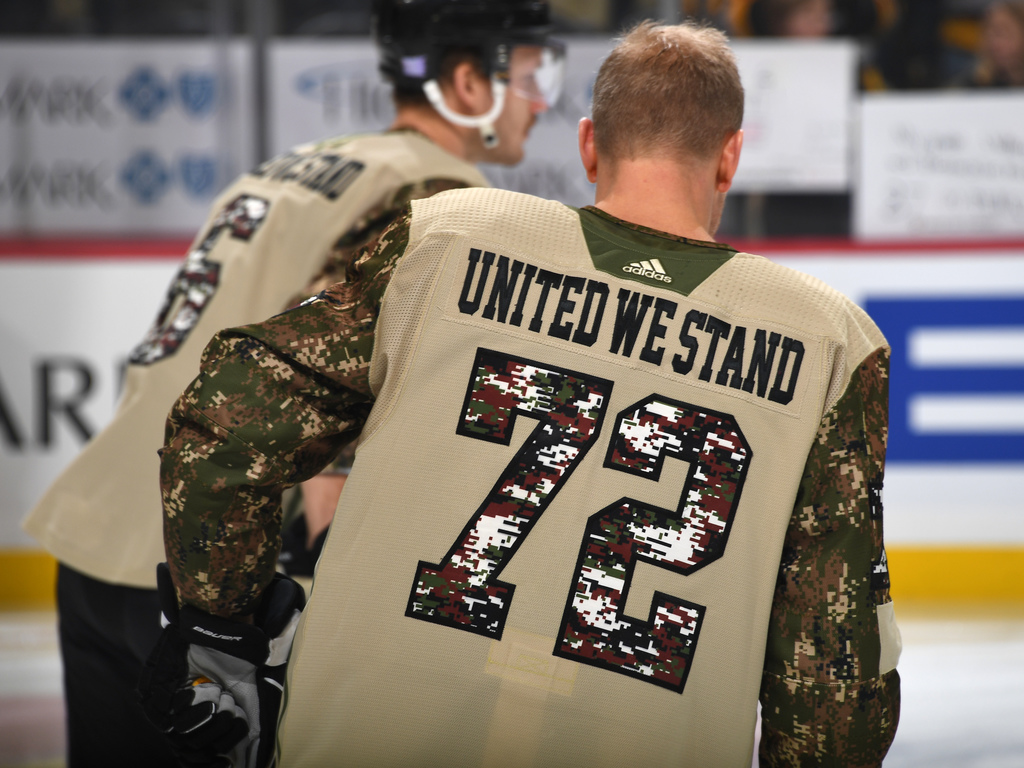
(214, 686)
(296, 559)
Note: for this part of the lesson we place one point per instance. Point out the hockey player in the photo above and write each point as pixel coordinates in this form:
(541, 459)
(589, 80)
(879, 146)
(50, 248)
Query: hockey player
(616, 482)
(469, 77)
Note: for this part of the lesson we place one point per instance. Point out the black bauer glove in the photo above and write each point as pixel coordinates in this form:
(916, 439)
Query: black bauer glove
(213, 686)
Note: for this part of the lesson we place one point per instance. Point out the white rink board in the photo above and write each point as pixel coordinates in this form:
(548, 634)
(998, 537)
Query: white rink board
(798, 110)
(94, 311)
(319, 89)
(119, 137)
(934, 165)
(78, 319)
(943, 502)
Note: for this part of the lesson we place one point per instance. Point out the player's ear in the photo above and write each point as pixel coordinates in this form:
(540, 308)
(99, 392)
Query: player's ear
(469, 91)
(588, 153)
(728, 161)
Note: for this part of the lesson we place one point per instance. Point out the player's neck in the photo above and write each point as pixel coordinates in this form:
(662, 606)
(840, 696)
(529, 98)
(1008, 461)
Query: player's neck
(657, 194)
(425, 120)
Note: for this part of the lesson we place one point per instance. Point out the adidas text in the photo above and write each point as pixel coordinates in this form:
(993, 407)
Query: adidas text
(651, 269)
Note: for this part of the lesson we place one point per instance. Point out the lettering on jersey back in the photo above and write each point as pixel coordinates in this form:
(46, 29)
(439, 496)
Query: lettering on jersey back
(659, 331)
(324, 172)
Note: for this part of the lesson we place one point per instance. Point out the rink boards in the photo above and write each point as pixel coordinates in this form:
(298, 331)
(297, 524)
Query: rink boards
(952, 312)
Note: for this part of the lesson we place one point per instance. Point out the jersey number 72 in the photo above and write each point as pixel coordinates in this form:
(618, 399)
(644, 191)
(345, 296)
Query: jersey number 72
(463, 591)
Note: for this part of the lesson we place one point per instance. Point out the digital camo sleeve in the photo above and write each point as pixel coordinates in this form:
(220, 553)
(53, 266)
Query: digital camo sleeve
(272, 405)
(830, 694)
(366, 229)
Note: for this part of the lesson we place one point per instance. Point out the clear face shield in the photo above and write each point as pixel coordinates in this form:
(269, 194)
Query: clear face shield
(535, 73)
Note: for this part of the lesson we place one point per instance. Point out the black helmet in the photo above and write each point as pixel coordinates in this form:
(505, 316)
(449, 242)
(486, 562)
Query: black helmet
(413, 35)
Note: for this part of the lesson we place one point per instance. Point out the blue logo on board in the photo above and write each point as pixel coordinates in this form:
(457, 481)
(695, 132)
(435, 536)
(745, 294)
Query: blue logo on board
(198, 92)
(145, 94)
(146, 177)
(198, 175)
(954, 401)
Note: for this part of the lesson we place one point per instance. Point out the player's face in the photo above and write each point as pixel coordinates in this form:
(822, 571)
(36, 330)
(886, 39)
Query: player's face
(525, 98)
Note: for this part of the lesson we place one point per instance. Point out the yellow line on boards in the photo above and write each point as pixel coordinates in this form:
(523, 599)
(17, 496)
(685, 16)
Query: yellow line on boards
(28, 579)
(957, 573)
(964, 574)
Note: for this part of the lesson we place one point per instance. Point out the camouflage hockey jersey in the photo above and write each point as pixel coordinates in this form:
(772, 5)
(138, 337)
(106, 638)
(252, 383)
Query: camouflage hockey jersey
(613, 487)
(292, 222)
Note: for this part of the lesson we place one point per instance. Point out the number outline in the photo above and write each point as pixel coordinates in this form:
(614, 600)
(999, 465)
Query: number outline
(594, 628)
(484, 358)
(627, 511)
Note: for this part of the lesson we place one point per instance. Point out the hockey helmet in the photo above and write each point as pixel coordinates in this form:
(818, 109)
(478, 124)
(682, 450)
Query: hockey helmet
(413, 37)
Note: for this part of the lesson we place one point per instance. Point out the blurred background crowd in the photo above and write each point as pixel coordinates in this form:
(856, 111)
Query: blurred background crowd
(905, 44)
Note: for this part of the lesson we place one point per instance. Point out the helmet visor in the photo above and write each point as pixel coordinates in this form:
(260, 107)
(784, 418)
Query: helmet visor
(536, 72)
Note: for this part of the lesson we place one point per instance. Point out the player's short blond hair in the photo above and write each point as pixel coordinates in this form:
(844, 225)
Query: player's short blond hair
(667, 90)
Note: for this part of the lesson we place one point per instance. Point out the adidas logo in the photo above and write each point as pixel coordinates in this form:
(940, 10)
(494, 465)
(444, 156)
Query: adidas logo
(651, 269)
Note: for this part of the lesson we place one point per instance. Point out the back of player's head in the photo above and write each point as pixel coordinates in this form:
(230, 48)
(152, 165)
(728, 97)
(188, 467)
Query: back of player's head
(418, 39)
(667, 91)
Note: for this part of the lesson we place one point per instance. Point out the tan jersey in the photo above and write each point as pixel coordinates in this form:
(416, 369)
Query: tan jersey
(269, 234)
(560, 541)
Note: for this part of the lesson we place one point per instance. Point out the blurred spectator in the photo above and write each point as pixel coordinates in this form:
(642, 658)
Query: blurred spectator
(1000, 58)
(866, 20)
(810, 18)
(792, 18)
(581, 15)
(802, 213)
(713, 12)
(935, 43)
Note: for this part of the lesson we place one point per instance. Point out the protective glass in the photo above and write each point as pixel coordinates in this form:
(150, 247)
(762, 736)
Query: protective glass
(536, 73)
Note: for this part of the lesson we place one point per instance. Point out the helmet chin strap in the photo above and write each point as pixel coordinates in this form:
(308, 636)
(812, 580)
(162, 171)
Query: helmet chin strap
(484, 123)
